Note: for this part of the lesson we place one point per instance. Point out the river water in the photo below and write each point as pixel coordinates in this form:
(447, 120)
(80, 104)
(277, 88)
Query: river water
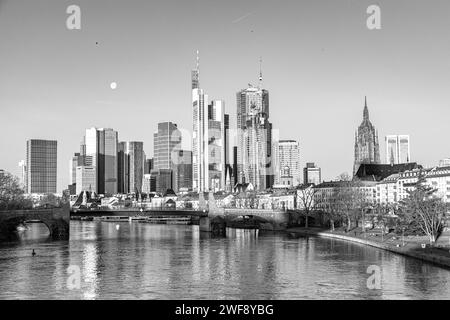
(146, 261)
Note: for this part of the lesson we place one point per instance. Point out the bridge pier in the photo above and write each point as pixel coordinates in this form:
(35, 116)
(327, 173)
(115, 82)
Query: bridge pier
(215, 225)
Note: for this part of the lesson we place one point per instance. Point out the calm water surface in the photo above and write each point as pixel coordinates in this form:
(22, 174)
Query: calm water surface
(145, 261)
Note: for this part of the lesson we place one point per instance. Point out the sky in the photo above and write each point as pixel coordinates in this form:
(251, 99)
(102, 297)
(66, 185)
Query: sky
(319, 61)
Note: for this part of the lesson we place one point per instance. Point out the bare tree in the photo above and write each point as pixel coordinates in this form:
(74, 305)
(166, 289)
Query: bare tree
(426, 209)
(305, 199)
(12, 196)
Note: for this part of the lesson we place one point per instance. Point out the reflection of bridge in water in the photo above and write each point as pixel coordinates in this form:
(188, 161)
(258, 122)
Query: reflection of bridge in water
(56, 219)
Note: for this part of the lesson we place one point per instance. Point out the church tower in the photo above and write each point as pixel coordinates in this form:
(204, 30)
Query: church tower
(367, 149)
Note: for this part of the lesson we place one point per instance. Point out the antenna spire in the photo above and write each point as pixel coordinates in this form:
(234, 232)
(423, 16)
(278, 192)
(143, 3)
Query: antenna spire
(260, 71)
(198, 62)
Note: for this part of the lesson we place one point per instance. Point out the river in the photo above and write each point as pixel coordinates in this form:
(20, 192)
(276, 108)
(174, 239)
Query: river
(147, 261)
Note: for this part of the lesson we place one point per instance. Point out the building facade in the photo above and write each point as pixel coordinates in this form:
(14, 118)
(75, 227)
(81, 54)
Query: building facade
(209, 144)
(23, 174)
(101, 146)
(183, 171)
(254, 133)
(123, 169)
(397, 149)
(166, 143)
(367, 149)
(136, 159)
(312, 174)
(41, 166)
(287, 163)
(85, 179)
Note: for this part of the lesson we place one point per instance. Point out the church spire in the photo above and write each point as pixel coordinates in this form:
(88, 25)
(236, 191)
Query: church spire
(366, 110)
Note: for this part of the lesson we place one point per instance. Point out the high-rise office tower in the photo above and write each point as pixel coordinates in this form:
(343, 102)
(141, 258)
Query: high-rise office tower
(41, 166)
(208, 139)
(23, 174)
(148, 166)
(123, 169)
(235, 165)
(254, 137)
(161, 180)
(101, 146)
(166, 144)
(312, 174)
(135, 152)
(397, 149)
(76, 161)
(216, 146)
(85, 179)
(199, 133)
(287, 162)
(367, 149)
(183, 171)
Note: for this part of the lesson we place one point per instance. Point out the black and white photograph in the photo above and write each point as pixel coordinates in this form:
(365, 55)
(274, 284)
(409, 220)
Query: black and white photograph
(224, 156)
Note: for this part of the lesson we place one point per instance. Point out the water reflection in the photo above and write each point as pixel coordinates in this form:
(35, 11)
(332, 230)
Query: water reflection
(145, 261)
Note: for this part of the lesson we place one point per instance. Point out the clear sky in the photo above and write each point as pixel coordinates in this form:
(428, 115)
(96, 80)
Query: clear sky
(319, 61)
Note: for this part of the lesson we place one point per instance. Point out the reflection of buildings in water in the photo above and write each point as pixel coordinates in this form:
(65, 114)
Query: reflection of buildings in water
(59, 274)
(89, 271)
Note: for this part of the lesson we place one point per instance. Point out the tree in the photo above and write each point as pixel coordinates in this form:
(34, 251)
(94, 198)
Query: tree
(332, 208)
(51, 200)
(305, 198)
(423, 207)
(12, 195)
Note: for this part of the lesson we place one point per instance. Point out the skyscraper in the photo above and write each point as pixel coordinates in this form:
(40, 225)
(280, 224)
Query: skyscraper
(41, 166)
(101, 147)
(254, 137)
(135, 151)
(166, 144)
(312, 174)
(397, 149)
(208, 139)
(123, 169)
(215, 158)
(287, 159)
(85, 178)
(183, 171)
(23, 174)
(148, 166)
(367, 149)
(199, 133)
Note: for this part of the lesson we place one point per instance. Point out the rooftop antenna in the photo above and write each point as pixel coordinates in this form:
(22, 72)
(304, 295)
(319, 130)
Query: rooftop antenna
(198, 62)
(260, 72)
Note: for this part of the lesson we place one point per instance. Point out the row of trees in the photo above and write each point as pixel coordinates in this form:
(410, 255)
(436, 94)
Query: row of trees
(421, 213)
(13, 197)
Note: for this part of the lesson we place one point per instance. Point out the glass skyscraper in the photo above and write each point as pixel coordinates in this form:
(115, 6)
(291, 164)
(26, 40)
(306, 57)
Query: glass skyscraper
(397, 149)
(101, 147)
(41, 166)
(254, 133)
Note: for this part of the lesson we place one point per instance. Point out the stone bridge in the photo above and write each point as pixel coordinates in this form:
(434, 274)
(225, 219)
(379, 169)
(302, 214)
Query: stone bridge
(218, 218)
(57, 221)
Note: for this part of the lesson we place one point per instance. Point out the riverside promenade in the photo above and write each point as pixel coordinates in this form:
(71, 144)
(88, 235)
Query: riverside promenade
(407, 246)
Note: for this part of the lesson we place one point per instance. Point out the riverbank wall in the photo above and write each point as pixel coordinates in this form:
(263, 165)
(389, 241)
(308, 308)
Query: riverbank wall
(428, 254)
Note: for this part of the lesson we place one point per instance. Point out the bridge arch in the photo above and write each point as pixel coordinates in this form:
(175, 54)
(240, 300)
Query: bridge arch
(57, 221)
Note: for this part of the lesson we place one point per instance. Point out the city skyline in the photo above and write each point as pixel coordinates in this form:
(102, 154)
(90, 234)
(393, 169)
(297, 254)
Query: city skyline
(402, 80)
